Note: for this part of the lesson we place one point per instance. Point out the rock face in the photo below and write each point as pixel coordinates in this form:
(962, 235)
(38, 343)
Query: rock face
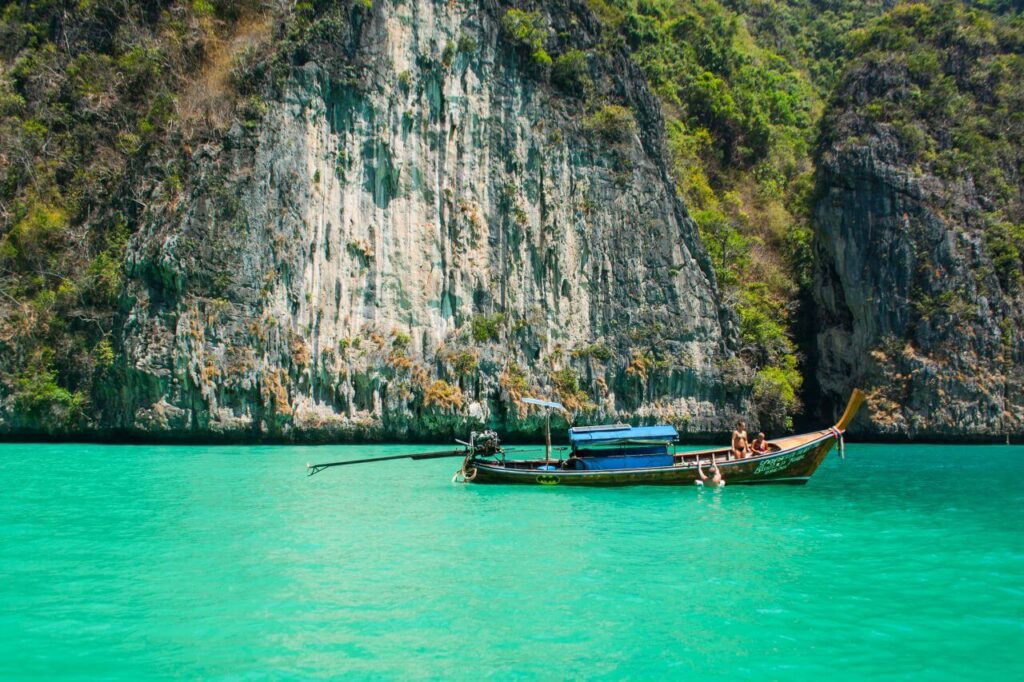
(415, 233)
(902, 311)
(918, 284)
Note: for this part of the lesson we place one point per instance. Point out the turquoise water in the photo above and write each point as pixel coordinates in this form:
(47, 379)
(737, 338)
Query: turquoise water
(218, 562)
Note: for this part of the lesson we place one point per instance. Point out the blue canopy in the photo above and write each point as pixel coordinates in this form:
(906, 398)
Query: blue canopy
(605, 434)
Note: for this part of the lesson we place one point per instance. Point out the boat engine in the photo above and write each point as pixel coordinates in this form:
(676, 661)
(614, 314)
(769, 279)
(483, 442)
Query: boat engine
(481, 444)
(485, 443)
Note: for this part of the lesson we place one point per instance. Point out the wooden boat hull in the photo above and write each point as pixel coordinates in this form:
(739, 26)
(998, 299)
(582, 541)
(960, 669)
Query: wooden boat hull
(794, 462)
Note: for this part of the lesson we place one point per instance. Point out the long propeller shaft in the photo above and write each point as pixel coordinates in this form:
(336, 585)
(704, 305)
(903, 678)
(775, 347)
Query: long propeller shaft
(317, 468)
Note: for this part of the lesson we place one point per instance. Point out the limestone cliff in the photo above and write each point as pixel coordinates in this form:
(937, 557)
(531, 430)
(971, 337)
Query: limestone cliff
(416, 227)
(919, 275)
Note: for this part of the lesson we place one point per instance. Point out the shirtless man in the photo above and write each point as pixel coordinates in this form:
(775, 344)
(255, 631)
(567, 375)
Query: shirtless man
(716, 479)
(739, 441)
(759, 446)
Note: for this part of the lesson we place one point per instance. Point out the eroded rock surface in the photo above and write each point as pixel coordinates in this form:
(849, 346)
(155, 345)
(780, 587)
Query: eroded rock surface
(412, 237)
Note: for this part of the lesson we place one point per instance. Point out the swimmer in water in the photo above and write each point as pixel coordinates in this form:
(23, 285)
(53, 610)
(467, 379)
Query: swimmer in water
(716, 480)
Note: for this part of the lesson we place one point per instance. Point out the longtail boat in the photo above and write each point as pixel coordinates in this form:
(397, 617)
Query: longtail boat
(620, 454)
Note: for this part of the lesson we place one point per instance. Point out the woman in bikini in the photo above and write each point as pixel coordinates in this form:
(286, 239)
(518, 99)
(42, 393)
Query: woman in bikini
(740, 445)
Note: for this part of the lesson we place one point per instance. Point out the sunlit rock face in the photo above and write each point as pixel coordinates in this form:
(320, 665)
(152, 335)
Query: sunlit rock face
(415, 233)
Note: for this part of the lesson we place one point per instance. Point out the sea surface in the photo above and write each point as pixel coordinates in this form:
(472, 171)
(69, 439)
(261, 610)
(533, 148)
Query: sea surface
(138, 562)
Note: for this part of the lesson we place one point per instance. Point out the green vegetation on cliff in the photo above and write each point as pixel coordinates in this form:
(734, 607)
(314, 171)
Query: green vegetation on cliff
(921, 215)
(207, 321)
(98, 101)
(744, 85)
(740, 123)
(946, 80)
(106, 104)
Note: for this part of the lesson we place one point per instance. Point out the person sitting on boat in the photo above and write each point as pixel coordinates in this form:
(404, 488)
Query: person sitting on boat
(759, 446)
(716, 476)
(740, 445)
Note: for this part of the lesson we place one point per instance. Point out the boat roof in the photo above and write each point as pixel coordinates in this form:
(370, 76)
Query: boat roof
(543, 403)
(602, 434)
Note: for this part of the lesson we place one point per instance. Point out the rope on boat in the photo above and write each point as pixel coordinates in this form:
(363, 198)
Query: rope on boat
(840, 443)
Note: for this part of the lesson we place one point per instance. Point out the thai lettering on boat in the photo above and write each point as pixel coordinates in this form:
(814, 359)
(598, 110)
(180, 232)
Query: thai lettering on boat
(770, 466)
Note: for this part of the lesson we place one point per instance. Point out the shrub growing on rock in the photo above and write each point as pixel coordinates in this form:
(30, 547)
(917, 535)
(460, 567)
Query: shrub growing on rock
(526, 30)
(612, 123)
(486, 328)
(571, 73)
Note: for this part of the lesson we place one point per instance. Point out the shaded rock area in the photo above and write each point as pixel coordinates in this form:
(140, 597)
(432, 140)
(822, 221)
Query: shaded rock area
(918, 279)
(419, 229)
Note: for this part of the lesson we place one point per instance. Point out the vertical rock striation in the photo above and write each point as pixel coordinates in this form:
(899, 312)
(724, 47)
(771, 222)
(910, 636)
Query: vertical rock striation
(418, 230)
